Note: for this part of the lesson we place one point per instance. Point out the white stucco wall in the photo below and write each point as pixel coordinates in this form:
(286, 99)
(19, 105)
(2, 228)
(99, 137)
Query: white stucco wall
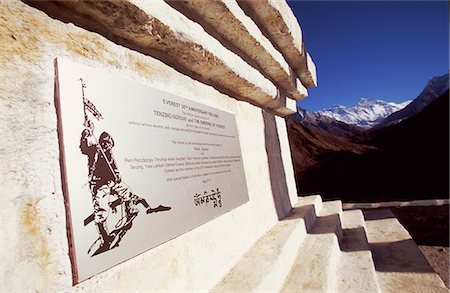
(287, 160)
(34, 246)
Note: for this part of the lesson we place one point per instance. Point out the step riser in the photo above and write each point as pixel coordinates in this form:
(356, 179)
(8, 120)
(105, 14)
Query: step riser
(266, 265)
(333, 209)
(304, 219)
(314, 200)
(274, 281)
(327, 250)
(314, 267)
(400, 266)
(313, 270)
(355, 271)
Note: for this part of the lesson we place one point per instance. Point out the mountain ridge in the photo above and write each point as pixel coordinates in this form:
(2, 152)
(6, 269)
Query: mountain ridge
(404, 160)
(435, 87)
(366, 113)
(324, 123)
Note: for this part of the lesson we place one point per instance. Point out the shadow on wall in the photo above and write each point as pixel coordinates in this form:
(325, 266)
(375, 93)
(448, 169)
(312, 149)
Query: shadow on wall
(276, 169)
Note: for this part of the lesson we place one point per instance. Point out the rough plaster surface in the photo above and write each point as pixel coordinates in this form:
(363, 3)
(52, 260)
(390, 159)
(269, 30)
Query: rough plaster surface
(273, 255)
(34, 246)
(277, 21)
(315, 263)
(291, 104)
(355, 271)
(156, 29)
(287, 160)
(240, 34)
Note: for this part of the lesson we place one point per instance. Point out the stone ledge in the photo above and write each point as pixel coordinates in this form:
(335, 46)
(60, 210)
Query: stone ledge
(400, 265)
(156, 29)
(389, 204)
(277, 22)
(226, 21)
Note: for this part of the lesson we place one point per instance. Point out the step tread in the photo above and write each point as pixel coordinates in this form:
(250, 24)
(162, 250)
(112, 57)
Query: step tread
(315, 200)
(352, 219)
(354, 231)
(330, 219)
(331, 208)
(400, 265)
(313, 267)
(271, 255)
(355, 270)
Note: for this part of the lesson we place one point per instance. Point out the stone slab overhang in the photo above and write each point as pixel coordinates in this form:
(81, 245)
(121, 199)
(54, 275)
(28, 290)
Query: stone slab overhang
(226, 21)
(156, 29)
(279, 23)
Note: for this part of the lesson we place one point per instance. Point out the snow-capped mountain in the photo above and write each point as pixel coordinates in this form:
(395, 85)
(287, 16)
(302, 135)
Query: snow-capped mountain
(366, 113)
(317, 121)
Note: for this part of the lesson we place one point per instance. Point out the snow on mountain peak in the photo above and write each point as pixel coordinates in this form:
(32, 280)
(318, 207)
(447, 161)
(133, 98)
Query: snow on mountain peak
(366, 113)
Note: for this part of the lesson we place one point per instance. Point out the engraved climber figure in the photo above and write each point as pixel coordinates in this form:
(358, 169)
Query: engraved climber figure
(104, 179)
(108, 190)
(105, 184)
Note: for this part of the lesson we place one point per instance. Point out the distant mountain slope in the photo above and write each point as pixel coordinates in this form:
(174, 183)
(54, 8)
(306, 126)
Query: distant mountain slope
(310, 144)
(366, 113)
(406, 161)
(435, 88)
(327, 124)
(418, 131)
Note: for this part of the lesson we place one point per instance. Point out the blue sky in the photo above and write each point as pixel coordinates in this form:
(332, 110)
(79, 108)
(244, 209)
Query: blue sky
(373, 49)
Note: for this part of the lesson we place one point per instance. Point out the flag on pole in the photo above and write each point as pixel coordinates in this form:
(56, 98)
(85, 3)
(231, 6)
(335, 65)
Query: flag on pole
(88, 105)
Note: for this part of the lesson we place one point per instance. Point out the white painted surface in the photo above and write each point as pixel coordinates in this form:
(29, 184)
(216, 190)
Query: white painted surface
(193, 32)
(287, 160)
(291, 22)
(253, 29)
(34, 245)
(400, 265)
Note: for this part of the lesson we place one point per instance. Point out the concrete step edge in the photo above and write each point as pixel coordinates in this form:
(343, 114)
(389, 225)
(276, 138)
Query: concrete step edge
(413, 203)
(312, 200)
(399, 263)
(266, 264)
(332, 212)
(314, 266)
(331, 207)
(355, 271)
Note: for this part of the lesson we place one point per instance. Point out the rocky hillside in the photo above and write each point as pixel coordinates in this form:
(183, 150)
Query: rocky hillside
(311, 144)
(435, 88)
(407, 160)
(322, 123)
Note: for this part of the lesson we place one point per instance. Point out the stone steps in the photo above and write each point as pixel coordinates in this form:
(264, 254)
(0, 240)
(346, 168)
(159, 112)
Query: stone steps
(355, 271)
(266, 264)
(321, 248)
(317, 257)
(400, 265)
